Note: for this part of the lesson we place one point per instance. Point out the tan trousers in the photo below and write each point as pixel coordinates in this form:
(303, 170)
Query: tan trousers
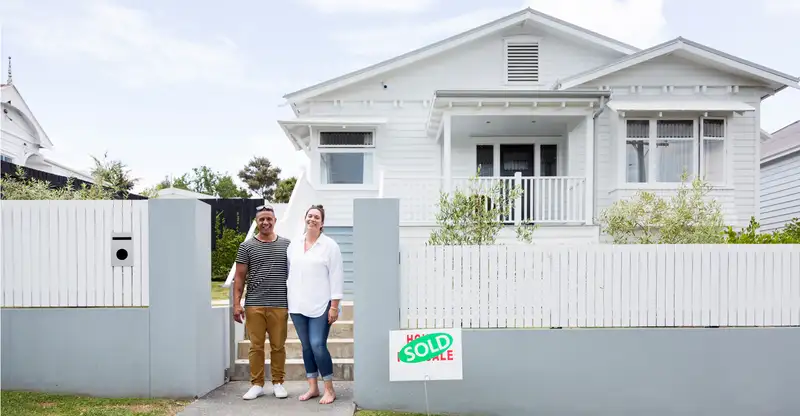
(261, 321)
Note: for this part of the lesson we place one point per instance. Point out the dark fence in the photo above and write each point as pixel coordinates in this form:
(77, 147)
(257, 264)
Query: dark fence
(56, 181)
(237, 214)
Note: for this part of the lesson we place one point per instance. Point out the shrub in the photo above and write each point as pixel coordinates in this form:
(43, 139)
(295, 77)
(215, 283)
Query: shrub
(790, 234)
(20, 187)
(224, 254)
(467, 218)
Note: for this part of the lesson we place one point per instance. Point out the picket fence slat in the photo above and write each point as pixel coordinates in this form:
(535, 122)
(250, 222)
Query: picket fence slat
(58, 254)
(520, 286)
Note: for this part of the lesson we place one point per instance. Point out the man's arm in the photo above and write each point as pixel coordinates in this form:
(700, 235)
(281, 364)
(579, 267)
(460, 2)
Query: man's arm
(238, 282)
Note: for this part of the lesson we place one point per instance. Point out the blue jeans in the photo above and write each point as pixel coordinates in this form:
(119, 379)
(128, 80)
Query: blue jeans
(313, 334)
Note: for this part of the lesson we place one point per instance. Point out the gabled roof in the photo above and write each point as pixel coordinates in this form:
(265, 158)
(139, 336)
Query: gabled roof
(783, 142)
(9, 92)
(777, 79)
(524, 15)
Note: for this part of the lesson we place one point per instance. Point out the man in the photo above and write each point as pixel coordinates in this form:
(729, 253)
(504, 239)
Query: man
(261, 262)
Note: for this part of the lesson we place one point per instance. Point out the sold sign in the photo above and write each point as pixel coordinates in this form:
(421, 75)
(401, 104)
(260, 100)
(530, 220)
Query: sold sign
(425, 348)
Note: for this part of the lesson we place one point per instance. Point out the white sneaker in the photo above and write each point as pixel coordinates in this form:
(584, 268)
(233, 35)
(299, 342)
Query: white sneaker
(279, 391)
(254, 392)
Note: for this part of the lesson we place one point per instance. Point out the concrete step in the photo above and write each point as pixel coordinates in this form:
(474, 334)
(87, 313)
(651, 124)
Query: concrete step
(342, 370)
(338, 347)
(339, 329)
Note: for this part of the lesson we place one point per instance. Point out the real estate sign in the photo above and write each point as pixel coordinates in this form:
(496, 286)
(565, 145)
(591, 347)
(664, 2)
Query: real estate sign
(425, 354)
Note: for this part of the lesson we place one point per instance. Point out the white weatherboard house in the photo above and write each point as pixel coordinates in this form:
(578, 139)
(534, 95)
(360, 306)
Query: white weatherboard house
(22, 138)
(579, 120)
(780, 178)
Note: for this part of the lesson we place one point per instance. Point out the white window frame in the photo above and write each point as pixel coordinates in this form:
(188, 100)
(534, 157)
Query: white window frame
(537, 142)
(316, 168)
(7, 158)
(521, 39)
(698, 157)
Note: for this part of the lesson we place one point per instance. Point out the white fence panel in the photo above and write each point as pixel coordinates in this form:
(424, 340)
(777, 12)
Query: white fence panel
(58, 254)
(600, 286)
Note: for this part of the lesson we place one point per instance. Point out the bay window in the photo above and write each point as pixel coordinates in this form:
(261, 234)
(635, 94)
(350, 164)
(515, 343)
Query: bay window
(662, 150)
(346, 157)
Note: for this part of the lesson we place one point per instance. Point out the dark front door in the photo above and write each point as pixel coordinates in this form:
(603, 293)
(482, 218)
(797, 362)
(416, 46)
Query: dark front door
(519, 158)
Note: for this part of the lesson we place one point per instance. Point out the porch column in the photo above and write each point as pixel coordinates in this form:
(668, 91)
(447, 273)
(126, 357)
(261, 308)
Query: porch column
(589, 172)
(446, 152)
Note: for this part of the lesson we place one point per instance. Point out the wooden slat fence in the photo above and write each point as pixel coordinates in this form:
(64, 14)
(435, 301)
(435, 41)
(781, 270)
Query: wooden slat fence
(58, 254)
(520, 286)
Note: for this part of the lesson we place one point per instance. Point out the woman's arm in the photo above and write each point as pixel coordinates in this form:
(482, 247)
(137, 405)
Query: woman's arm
(336, 275)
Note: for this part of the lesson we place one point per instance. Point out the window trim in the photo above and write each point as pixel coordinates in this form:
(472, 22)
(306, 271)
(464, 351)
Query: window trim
(522, 39)
(495, 142)
(697, 158)
(316, 159)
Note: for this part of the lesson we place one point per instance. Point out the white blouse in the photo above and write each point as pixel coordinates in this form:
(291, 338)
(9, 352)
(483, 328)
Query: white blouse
(316, 276)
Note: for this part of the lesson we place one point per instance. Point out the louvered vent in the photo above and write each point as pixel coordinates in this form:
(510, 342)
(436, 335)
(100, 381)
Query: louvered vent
(522, 60)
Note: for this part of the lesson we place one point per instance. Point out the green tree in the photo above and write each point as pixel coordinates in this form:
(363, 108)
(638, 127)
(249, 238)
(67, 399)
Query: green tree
(284, 190)
(113, 173)
(261, 177)
(20, 187)
(687, 217)
(466, 217)
(204, 180)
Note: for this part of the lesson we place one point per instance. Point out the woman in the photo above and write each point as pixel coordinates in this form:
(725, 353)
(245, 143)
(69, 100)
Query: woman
(315, 288)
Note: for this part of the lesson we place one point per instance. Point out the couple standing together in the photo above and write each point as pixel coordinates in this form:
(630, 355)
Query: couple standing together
(302, 279)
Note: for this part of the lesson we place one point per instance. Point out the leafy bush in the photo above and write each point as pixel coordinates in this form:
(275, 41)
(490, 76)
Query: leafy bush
(687, 217)
(467, 218)
(790, 234)
(224, 254)
(20, 187)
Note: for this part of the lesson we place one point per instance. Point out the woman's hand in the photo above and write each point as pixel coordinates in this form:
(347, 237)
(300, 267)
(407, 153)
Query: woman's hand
(333, 315)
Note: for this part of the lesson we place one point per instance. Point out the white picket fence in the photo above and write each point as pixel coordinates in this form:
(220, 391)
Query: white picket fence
(58, 254)
(519, 286)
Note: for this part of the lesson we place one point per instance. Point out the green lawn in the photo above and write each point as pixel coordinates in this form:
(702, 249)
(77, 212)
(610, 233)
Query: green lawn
(218, 292)
(14, 403)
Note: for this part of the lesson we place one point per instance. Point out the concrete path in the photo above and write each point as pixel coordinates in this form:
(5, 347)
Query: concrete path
(227, 400)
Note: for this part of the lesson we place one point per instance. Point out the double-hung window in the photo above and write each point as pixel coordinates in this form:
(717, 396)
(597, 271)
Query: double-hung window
(662, 150)
(346, 157)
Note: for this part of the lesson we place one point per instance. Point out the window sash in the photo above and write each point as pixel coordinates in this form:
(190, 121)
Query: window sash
(369, 140)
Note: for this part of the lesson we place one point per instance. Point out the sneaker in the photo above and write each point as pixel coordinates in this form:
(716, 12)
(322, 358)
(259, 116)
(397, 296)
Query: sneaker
(255, 391)
(280, 391)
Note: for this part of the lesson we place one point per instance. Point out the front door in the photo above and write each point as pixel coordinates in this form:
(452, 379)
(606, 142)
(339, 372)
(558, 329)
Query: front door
(519, 158)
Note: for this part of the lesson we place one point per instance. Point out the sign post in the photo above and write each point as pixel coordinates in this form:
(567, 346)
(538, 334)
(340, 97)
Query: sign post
(425, 355)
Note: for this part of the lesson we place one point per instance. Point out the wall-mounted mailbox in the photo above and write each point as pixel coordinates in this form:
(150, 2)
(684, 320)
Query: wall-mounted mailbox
(122, 249)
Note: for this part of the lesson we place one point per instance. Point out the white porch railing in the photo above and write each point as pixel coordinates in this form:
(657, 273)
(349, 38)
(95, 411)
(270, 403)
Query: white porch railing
(553, 199)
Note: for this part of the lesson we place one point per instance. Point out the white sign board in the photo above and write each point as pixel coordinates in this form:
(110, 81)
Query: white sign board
(425, 354)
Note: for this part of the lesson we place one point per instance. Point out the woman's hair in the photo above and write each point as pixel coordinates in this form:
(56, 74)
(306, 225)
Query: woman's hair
(321, 213)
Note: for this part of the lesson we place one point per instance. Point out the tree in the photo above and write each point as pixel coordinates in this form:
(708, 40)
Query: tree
(261, 177)
(181, 182)
(113, 173)
(20, 187)
(467, 218)
(688, 217)
(204, 180)
(284, 190)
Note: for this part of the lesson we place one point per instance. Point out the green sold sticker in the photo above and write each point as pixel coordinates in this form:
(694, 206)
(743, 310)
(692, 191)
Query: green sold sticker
(425, 348)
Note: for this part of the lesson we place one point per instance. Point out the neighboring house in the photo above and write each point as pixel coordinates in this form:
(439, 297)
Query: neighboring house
(780, 178)
(23, 141)
(178, 193)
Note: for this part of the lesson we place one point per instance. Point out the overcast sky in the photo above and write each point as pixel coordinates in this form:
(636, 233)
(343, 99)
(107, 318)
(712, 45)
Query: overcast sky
(166, 87)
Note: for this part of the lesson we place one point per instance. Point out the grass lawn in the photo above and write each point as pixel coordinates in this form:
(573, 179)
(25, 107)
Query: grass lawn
(218, 292)
(16, 403)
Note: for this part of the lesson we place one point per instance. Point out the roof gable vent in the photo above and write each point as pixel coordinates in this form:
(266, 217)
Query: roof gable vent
(522, 60)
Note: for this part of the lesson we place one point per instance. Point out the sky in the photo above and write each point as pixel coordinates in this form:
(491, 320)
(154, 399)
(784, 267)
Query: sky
(166, 88)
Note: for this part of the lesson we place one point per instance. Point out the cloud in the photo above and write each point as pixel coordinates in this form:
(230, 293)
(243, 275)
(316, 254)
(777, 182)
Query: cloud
(129, 44)
(782, 7)
(370, 6)
(640, 23)
(386, 41)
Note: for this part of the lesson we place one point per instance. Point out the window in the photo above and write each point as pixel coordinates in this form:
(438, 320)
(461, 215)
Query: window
(662, 150)
(6, 158)
(522, 60)
(346, 158)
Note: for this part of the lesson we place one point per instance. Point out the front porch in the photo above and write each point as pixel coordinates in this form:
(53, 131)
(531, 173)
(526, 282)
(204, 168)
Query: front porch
(541, 142)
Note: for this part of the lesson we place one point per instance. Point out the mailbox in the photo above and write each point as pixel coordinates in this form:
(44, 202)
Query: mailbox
(122, 249)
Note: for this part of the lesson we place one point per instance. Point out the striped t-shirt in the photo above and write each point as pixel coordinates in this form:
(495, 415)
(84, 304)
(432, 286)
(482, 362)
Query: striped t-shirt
(267, 271)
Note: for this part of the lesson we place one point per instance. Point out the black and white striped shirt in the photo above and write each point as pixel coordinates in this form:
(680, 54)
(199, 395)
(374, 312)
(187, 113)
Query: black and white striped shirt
(267, 271)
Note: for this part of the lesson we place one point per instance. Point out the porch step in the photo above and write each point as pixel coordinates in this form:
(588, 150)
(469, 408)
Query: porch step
(295, 371)
(338, 347)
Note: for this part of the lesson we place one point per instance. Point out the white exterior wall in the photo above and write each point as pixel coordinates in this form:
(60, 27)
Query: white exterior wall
(738, 197)
(780, 192)
(16, 139)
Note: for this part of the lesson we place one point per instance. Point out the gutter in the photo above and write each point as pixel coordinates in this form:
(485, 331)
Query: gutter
(500, 94)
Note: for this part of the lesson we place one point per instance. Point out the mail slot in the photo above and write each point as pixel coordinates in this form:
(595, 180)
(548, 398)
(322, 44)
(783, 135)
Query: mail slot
(122, 249)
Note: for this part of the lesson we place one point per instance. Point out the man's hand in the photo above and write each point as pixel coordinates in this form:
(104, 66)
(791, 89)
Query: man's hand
(238, 313)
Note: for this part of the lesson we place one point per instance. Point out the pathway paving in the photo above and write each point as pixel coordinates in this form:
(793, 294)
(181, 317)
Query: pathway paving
(227, 400)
